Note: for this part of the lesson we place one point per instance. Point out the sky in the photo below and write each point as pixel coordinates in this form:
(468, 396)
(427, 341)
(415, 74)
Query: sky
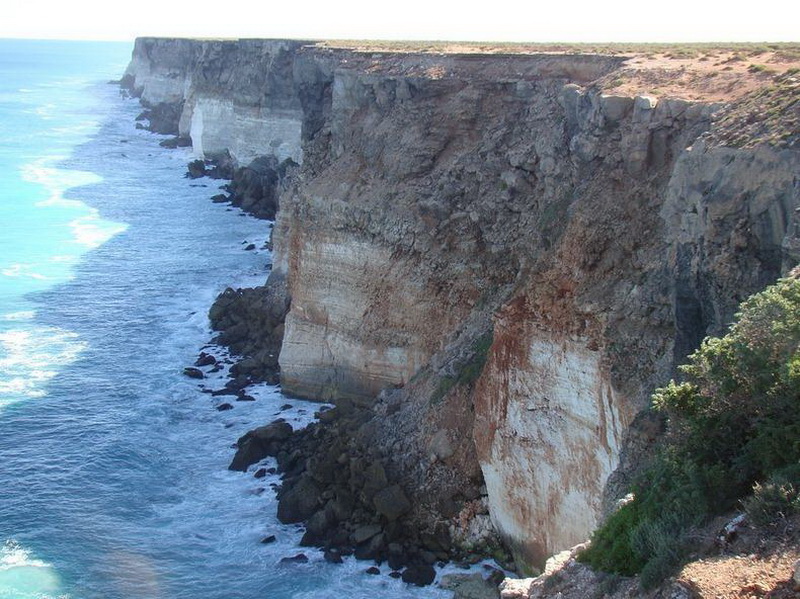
(483, 20)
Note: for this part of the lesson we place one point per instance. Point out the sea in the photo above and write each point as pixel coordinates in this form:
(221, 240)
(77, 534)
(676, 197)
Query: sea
(113, 464)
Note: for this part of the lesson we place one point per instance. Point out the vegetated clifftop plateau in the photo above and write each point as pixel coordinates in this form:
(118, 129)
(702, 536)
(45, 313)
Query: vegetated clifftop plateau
(487, 260)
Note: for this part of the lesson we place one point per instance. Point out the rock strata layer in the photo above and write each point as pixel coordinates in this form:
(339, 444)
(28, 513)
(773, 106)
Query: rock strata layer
(490, 259)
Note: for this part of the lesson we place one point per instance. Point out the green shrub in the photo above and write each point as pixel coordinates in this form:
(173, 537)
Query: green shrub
(733, 423)
(611, 549)
(777, 498)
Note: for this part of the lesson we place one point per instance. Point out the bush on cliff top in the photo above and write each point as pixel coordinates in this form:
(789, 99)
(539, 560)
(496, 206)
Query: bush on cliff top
(733, 423)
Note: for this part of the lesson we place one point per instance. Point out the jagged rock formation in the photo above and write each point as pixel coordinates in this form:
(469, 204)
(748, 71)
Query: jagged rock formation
(490, 255)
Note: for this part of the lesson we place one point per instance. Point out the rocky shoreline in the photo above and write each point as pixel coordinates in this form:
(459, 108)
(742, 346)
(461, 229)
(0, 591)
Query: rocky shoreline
(333, 480)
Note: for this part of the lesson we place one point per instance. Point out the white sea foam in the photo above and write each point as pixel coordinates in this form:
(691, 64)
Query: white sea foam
(22, 271)
(15, 316)
(56, 180)
(24, 577)
(92, 231)
(13, 555)
(30, 357)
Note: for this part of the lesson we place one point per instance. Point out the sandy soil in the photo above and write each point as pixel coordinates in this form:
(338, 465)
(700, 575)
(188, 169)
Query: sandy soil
(710, 72)
(759, 563)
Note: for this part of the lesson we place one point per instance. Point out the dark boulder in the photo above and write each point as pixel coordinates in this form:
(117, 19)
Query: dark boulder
(419, 575)
(176, 142)
(391, 502)
(193, 373)
(299, 501)
(205, 360)
(196, 169)
(259, 443)
(256, 187)
(163, 117)
(374, 548)
(221, 165)
(316, 527)
(250, 322)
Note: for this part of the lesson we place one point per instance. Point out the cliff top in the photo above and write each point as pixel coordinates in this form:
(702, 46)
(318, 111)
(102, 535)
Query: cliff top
(712, 72)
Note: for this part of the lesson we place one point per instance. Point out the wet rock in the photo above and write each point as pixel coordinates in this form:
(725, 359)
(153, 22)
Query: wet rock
(193, 373)
(316, 527)
(260, 473)
(205, 360)
(250, 247)
(419, 575)
(333, 556)
(374, 548)
(218, 392)
(269, 539)
(224, 407)
(176, 142)
(300, 558)
(469, 586)
(373, 570)
(196, 169)
(259, 443)
(163, 117)
(222, 165)
(250, 322)
(256, 187)
(220, 198)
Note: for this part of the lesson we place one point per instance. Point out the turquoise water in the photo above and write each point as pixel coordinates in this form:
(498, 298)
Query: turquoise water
(113, 479)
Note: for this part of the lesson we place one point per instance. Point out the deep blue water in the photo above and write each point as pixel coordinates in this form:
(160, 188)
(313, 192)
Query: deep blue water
(113, 479)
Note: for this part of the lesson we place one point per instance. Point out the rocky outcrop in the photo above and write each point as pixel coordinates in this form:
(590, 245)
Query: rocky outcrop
(250, 322)
(256, 188)
(495, 260)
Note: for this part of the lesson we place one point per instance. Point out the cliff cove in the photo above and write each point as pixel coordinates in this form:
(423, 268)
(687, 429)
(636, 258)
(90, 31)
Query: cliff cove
(486, 262)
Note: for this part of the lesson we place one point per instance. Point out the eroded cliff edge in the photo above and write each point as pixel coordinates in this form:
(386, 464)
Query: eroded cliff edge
(492, 257)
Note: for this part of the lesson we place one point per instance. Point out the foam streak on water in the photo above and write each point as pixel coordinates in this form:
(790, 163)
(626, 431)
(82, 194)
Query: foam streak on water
(114, 480)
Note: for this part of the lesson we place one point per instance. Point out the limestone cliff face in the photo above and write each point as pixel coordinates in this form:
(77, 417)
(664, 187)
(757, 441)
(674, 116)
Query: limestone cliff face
(238, 95)
(498, 259)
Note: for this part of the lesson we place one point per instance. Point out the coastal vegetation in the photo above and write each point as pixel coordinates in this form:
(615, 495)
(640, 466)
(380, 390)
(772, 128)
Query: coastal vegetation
(733, 441)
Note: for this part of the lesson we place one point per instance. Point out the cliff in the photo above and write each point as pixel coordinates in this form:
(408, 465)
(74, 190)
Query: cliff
(493, 257)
